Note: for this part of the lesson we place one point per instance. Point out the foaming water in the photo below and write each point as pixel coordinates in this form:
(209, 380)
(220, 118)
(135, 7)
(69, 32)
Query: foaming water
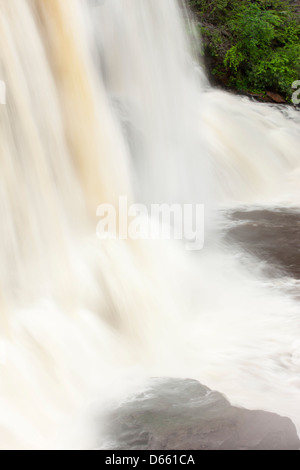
(214, 146)
(253, 147)
(105, 99)
(153, 79)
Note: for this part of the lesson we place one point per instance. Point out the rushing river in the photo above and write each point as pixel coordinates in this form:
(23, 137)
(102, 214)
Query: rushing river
(106, 99)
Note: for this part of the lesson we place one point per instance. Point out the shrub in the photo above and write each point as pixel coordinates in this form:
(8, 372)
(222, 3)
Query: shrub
(254, 45)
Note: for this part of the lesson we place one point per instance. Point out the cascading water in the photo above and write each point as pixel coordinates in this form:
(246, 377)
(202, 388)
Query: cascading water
(172, 116)
(104, 99)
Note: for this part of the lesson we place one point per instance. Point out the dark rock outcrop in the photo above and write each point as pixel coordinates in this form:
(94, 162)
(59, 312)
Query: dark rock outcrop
(177, 414)
(275, 97)
(272, 236)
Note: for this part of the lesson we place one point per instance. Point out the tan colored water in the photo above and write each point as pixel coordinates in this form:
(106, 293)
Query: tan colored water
(104, 99)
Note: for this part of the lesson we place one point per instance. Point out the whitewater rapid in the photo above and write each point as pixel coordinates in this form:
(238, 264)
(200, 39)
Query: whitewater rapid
(105, 98)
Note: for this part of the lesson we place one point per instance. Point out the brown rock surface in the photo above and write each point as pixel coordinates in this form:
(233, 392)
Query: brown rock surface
(275, 97)
(177, 414)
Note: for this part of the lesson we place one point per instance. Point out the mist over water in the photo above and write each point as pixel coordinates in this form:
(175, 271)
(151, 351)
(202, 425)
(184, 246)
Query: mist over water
(105, 99)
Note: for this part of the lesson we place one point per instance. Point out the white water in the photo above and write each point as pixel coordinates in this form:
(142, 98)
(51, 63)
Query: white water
(105, 99)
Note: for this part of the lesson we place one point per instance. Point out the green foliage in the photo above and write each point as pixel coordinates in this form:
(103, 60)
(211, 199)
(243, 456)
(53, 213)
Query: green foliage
(253, 44)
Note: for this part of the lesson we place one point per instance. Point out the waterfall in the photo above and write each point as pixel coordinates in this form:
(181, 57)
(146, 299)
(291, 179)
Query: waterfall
(106, 99)
(213, 146)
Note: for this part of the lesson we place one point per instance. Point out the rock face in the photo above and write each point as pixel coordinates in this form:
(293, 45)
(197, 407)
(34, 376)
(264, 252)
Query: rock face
(272, 236)
(176, 414)
(275, 97)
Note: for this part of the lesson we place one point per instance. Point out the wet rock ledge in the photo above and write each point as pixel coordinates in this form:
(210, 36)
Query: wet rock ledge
(180, 414)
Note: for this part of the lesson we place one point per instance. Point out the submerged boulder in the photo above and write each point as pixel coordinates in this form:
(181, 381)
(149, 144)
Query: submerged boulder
(180, 414)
